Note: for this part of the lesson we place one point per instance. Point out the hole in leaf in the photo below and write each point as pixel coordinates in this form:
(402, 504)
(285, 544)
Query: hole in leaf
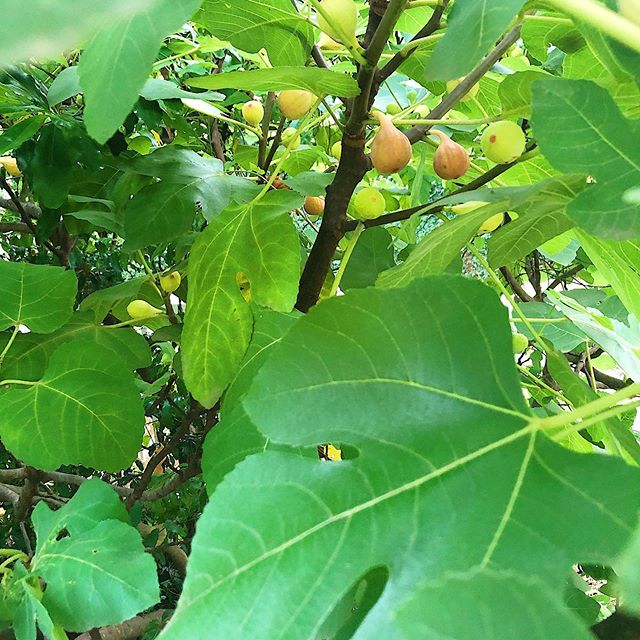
(349, 612)
(63, 534)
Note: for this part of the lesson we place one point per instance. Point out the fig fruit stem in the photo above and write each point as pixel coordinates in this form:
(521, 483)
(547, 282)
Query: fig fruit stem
(307, 121)
(345, 259)
(603, 19)
(209, 110)
(24, 383)
(130, 323)
(543, 385)
(598, 408)
(355, 50)
(177, 56)
(505, 292)
(453, 121)
(14, 335)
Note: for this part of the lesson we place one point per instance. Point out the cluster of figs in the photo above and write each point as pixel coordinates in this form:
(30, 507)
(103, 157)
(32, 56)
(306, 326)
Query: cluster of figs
(391, 151)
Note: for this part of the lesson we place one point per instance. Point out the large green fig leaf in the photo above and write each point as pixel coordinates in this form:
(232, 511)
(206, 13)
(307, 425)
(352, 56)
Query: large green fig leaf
(257, 241)
(478, 25)
(29, 355)
(164, 210)
(436, 251)
(580, 129)
(450, 482)
(100, 549)
(84, 410)
(319, 81)
(37, 296)
(477, 592)
(43, 28)
(118, 60)
(619, 263)
(251, 25)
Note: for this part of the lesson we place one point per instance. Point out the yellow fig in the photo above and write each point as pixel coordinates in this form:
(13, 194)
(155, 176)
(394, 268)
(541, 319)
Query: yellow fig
(492, 223)
(253, 112)
(314, 205)
(343, 15)
(451, 160)
(336, 150)
(11, 165)
(328, 44)
(170, 282)
(141, 310)
(295, 103)
(391, 150)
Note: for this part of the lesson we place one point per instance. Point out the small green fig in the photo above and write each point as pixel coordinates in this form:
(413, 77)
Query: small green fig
(336, 150)
(253, 112)
(170, 282)
(140, 310)
(368, 204)
(393, 109)
(503, 142)
(290, 138)
(520, 342)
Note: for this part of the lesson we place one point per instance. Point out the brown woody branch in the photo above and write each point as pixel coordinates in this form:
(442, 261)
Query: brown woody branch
(432, 207)
(353, 163)
(431, 27)
(129, 630)
(420, 131)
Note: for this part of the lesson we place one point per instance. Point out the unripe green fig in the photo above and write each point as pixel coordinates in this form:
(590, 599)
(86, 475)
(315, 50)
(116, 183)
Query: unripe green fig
(291, 138)
(451, 160)
(140, 310)
(393, 109)
(503, 142)
(391, 150)
(253, 112)
(295, 104)
(368, 204)
(343, 16)
(314, 205)
(170, 282)
(336, 150)
(422, 110)
(412, 96)
(520, 342)
(473, 92)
